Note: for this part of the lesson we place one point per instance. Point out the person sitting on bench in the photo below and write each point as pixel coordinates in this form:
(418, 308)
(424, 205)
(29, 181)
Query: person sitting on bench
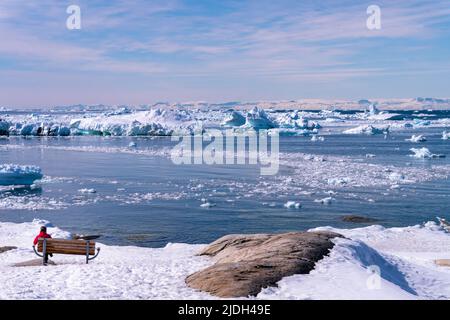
(43, 234)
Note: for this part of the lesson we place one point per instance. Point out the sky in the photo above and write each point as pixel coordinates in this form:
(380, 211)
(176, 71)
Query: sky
(145, 51)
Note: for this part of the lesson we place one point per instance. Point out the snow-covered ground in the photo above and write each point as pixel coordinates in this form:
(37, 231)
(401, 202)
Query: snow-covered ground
(403, 256)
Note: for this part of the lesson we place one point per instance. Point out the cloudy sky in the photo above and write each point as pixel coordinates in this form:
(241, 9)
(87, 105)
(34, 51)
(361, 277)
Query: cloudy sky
(144, 51)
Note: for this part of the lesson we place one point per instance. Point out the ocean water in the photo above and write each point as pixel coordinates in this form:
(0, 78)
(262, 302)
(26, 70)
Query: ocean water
(143, 199)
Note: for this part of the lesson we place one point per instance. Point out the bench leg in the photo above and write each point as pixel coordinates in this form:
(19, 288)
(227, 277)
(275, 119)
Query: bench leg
(87, 251)
(44, 251)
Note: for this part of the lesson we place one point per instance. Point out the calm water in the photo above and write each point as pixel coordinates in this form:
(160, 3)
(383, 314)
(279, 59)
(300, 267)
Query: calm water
(145, 200)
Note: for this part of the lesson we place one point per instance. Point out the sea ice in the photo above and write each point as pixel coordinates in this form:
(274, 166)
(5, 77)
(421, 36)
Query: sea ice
(446, 135)
(292, 205)
(234, 119)
(326, 201)
(424, 153)
(11, 174)
(418, 138)
(367, 129)
(257, 119)
(86, 190)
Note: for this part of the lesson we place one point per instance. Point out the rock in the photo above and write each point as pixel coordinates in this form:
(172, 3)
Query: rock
(6, 248)
(244, 264)
(33, 263)
(357, 219)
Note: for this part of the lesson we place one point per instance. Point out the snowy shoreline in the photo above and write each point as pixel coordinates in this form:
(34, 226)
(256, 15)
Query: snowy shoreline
(404, 256)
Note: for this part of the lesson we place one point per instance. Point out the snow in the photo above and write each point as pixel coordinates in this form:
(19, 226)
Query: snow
(369, 263)
(424, 153)
(403, 256)
(11, 174)
(117, 273)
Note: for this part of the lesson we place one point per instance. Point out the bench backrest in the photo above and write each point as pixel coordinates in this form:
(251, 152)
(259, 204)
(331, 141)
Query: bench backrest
(62, 246)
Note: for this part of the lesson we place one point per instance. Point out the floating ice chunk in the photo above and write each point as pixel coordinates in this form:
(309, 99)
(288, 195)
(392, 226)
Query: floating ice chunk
(85, 190)
(418, 138)
(446, 135)
(396, 177)
(317, 138)
(424, 153)
(373, 110)
(207, 205)
(420, 122)
(326, 201)
(338, 181)
(367, 129)
(257, 119)
(11, 174)
(235, 119)
(370, 155)
(292, 205)
(132, 144)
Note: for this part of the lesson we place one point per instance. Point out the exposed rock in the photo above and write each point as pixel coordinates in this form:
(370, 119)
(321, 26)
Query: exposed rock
(357, 219)
(244, 264)
(33, 263)
(7, 248)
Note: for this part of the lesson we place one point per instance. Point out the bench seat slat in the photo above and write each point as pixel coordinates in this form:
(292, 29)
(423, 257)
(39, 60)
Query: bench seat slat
(52, 245)
(74, 252)
(66, 241)
(60, 246)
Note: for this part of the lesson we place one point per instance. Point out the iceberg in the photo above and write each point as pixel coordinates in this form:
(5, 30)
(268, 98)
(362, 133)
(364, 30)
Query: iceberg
(317, 138)
(292, 205)
(4, 128)
(367, 129)
(235, 119)
(424, 153)
(325, 201)
(11, 174)
(446, 135)
(418, 138)
(257, 119)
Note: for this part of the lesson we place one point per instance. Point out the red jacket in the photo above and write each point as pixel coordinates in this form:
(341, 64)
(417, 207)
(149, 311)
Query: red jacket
(41, 235)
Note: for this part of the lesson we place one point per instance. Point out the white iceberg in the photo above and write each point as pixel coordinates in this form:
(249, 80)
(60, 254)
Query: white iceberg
(326, 201)
(446, 135)
(257, 119)
(418, 138)
(424, 153)
(367, 129)
(11, 174)
(235, 119)
(317, 138)
(292, 205)
(86, 190)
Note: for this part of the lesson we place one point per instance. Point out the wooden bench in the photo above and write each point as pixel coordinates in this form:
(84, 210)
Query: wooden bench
(62, 246)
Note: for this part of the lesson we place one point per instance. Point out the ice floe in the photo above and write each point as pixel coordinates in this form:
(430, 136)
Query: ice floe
(367, 129)
(292, 205)
(424, 153)
(11, 174)
(446, 135)
(417, 138)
